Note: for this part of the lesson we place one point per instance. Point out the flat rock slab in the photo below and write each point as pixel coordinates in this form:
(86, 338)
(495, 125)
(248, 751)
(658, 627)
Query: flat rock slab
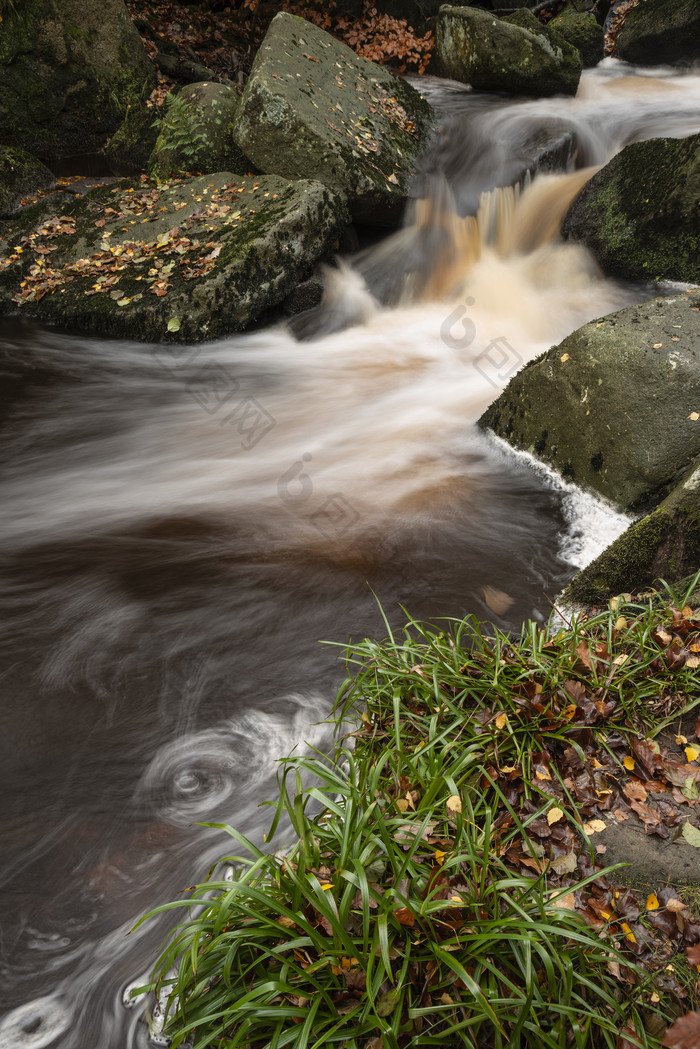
(652, 860)
(312, 108)
(186, 260)
(615, 407)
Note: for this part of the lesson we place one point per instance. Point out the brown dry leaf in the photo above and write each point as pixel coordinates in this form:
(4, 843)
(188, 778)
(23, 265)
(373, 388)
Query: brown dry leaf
(583, 653)
(634, 790)
(497, 600)
(567, 902)
(684, 1033)
(405, 916)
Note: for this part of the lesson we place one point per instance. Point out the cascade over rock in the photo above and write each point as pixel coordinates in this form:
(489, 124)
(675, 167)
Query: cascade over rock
(312, 108)
(640, 215)
(615, 406)
(69, 71)
(517, 54)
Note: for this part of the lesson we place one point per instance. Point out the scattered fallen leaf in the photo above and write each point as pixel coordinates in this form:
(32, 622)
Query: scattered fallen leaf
(454, 804)
(554, 815)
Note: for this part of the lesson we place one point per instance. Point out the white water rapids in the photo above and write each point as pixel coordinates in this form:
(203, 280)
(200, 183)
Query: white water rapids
(180, 528)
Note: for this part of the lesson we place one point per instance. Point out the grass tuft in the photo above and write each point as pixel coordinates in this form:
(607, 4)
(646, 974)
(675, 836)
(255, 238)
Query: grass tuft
(435, 893)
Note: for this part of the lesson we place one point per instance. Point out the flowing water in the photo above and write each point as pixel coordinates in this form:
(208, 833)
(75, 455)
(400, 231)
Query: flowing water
(180, 527)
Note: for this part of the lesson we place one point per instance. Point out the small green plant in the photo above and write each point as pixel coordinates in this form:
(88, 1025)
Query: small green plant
(405, 913)
(182, 133)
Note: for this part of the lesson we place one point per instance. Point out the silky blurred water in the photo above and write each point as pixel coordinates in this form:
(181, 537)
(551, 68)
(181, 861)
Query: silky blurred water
(181, 527)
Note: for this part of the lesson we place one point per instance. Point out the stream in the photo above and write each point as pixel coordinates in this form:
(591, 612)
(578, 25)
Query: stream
(182, 527)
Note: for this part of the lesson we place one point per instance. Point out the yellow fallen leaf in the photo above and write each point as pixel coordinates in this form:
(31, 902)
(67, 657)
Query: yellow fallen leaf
(594, 826)
(658, 345)
(629, 935)
(454, 804)
(681, 740)
(554, 815)
(564, 358)
(694, 416)
(501, 721)
(123, 302)
(621, 623)
(652, 902)
(628, 762)
(691, 753)
(401, 804)
(655, 997)
(620, 660)
(439, 857)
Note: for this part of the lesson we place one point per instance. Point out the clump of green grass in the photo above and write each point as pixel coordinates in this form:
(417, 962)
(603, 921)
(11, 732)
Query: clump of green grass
(396, 919)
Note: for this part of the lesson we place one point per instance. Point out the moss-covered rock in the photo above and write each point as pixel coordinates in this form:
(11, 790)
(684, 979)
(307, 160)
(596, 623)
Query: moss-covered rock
(313, 109)
(659, 31)
(21, 175)
(581, 30)
(516, 55)
(132, 144)
(640, 215)
(182, 261)
(663, 545)
(197, 133)
(69, 70)
(615, 407)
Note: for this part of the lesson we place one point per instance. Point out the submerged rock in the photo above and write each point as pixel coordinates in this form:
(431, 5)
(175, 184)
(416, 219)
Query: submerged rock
(640, 215)
(312, 108)
(68, 74)
(187, 260)
(663, 545)
(21, 175)
(615, 406)
(660, 31)
(581, 30)
(517, 54)
(196, 133)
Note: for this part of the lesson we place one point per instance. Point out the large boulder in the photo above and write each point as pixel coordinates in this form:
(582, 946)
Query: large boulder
(187, 260)
(196, 133)
(312, 108)
(21, 175)
(581, 30)
(663, 545)
(615, 407)
(659, 31)
(69, 70)
(640, 215)
(516, 55)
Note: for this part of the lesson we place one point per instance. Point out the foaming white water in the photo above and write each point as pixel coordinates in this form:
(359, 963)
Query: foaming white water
(35, 1025)
(204, 775)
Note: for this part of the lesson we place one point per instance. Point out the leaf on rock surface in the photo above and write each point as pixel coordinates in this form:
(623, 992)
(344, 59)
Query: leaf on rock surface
(692, 836)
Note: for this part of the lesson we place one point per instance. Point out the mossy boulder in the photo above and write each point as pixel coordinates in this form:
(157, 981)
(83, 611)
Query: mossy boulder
(660, 31)
(21, 175)
(615, 406)
(581, 30)
(663, 545)
(69, 70)
(312, 108)
(132, 144)
(196, 133)
(640, 215)
(516, 55)
(187, 260)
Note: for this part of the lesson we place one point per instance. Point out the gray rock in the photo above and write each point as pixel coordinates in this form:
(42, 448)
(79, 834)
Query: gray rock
(312, 108)
(184, 261)
(69, 71)
(612, 406)
(21, 175)
(581, 30)
(640, 215)
(663, 545)
(133, 142)
(660, 31)
(516, 55)
(196, 133)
